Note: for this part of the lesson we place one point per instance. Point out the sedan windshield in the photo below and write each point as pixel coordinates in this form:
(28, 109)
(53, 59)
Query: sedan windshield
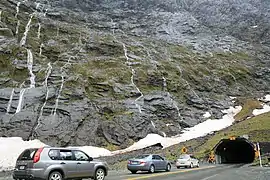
(185, 156)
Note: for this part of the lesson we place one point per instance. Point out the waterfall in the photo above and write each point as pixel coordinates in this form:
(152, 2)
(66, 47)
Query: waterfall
(153, 124)
(17, 9)
(16, 16)
(113, 26)
(49, 70)
(17, 27)
(37, 6)
(10, 100)
(40, 49)
(187, 84)
(39, 28)
(30, 68)
(164, 84)
(48, 73)
(27, 28)
(19, 107)
(132, 78)
(176, 107)
(59, 92)
(61, 87)
(164, 134)
(32, 79)
(173, 102)
(0, 15)
(46, 10)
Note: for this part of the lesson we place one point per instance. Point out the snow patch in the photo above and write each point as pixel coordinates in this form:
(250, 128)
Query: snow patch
(94, 151)
(11, 148)
(265, 98)
(199, 130)
(265, 109)
(207, 115)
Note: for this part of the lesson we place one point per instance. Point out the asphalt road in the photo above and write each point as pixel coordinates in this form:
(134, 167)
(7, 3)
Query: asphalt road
(219, 172)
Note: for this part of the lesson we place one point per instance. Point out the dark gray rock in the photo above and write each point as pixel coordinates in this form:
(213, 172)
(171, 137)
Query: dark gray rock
(221, 47)
(6, 32)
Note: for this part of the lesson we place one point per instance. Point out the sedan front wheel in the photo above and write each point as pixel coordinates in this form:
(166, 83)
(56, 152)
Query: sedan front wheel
(168, 168)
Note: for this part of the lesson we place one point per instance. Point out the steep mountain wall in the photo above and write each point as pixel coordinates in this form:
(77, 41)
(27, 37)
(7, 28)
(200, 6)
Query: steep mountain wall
(107, 73)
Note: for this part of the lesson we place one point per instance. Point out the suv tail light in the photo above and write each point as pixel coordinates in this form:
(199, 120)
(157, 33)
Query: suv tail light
(37, 155)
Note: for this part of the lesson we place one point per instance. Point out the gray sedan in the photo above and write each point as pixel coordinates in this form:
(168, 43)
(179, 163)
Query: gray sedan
(148, 162)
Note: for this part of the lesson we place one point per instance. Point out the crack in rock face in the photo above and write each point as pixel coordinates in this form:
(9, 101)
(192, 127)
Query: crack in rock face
(108, 73)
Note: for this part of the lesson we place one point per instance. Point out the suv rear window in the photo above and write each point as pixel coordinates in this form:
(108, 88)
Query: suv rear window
(28, 154)
(54, 154)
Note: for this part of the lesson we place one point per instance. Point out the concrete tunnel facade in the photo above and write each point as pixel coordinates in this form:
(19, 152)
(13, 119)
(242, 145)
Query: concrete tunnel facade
(235, 150)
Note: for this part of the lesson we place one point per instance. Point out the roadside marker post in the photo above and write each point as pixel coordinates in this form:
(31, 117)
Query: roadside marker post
(259, 153)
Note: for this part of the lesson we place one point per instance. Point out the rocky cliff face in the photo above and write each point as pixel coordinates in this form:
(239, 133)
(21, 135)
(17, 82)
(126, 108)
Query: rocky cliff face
(108, 72)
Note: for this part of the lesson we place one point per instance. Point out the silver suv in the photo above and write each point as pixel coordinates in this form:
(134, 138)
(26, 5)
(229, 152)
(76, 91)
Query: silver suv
(48, 163)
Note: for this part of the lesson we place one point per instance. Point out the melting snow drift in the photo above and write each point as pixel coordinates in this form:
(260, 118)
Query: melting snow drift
(11, 148)
(199, 130)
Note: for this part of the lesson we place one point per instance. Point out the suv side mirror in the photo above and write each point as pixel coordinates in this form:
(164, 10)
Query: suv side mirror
(90, 159)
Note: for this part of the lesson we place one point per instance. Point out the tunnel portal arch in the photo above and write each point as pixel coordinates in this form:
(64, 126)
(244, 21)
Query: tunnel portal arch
(236, 150)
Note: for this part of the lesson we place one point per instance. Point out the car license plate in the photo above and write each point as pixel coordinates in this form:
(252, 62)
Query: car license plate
(134, 162)
(21, 167)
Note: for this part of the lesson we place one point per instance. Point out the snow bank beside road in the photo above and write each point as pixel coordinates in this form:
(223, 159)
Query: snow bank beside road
(94, 151)
(11, 148)
(198, 130)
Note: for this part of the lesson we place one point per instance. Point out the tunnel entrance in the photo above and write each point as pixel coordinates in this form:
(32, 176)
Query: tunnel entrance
(238, 150)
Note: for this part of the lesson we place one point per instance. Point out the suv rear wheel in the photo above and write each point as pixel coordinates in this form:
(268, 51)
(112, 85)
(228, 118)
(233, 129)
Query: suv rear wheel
(55, 175)
(100, 174)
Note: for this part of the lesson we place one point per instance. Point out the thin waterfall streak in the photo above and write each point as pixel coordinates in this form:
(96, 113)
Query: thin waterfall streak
(17, 27)
(37, 6)
(153, 124)
(188, 85)
(40, 49)
(19, 107)
(175, 105)
(27, 28)
(164, 84)
(30, 68)
(164, 134)
(59, 94)
(49, 70)
(1, 16)
(46, 10)
(10, 101)
(61, 87)
(132, 78)
(113, 26)
(39, 29)
(17, 9)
